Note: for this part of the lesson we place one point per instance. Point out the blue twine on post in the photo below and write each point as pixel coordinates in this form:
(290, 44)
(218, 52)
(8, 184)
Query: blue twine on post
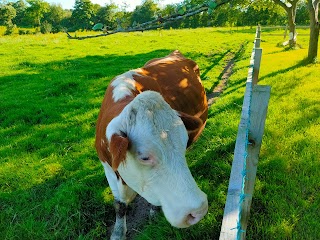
(239, 229)
(244, 172)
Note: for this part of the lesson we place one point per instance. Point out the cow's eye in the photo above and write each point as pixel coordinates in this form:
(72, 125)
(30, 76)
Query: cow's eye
(142, 156)
(145, 158)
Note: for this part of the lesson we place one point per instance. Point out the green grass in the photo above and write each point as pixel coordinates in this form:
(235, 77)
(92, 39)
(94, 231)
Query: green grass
(52, 185)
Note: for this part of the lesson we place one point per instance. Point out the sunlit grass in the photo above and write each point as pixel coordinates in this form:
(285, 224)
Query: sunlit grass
(52, 185)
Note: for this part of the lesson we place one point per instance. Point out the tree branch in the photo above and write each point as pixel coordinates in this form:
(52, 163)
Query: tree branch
(282, 4)
(315, 4)
(156, 23)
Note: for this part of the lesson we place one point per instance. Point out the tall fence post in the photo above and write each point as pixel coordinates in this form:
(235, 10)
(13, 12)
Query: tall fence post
(258, 33)
(256, 64)
(246, 153)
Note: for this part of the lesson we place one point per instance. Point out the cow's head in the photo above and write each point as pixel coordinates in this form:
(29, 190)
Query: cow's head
(147, 142)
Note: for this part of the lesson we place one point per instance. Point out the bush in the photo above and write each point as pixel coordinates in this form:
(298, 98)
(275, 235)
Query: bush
(37, 30)
(22, 32)
(45, 27)
(58, 28)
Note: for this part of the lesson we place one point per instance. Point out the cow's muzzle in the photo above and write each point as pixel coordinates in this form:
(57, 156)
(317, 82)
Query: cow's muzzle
(196, 215)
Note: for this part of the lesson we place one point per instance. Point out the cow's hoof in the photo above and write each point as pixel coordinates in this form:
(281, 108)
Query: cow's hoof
(118, 233)
(117, 236)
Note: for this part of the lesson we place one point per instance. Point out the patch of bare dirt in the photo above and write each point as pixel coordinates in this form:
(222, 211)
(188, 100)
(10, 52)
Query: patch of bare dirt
(138, 214)
(226, 73)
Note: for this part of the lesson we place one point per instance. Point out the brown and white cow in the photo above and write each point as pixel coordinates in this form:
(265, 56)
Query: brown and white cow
(147, 119)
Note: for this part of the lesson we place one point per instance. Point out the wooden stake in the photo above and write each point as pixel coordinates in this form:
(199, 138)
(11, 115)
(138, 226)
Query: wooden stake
(259, 107)
(256, 64)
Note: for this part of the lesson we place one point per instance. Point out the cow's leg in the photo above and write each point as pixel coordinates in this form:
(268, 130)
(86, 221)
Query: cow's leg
(123, 195)
(154, 210)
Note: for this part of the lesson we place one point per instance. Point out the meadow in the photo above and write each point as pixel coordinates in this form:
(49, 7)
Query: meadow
(52, 185)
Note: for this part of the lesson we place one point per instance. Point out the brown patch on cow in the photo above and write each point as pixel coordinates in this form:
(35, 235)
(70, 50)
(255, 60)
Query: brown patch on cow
(118, 150)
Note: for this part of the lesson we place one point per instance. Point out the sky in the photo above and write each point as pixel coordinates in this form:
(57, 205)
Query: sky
(68, 4)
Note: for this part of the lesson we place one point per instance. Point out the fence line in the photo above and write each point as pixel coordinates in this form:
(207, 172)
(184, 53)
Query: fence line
(247, 148)
(285, 26)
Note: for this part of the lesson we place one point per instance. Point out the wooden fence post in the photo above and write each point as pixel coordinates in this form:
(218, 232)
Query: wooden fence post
(257, 42)
(256, 64)
(259, 107)
(258, 33)
(246, 153)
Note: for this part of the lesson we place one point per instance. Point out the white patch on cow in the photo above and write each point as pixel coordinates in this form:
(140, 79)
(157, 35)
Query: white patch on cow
(112, 180)
(120, 191)
(168, 182)
(123, 85)
(164, 135)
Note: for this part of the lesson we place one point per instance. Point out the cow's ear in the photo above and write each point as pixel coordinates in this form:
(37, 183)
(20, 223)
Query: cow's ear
(190, 122)
(193, 125)
(118, 147)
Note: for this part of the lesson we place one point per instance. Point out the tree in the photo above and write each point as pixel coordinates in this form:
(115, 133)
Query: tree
(252, 16)
(7, 13)
(313, 6)
(55, 15)
(290, 6)
(107, 15)
(36, 11)
(144, 13)
(168, 10)
(66, 22)
(220, 18)
(158, 21)
(302, 14)
(20, 7)
(123, 19)
(82, 14)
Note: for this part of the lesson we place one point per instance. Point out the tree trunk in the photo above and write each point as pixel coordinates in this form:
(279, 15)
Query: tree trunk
(314, 30)
(291, 11)
(292, 25)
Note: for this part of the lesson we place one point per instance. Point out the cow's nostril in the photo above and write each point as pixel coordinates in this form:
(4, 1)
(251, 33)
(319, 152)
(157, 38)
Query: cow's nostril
(195, 216)
(193, 219)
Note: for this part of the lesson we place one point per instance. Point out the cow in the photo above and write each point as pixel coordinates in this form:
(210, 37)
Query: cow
(148, 118)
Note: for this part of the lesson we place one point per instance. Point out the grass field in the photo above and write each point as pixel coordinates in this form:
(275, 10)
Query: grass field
(52, 185)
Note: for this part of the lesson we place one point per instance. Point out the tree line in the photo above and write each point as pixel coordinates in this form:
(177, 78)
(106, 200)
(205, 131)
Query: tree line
(53, 18)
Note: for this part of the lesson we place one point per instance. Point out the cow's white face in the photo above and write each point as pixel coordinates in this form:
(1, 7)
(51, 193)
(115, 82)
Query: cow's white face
(155, 164)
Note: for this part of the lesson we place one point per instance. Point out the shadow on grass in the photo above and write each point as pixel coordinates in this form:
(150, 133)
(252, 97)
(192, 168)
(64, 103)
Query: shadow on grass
(216, 58)
(235, 85)
(46, 209)
(301, 63)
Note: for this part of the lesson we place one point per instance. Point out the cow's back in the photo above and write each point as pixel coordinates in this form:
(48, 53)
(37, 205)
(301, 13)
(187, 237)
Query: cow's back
(180, 84)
